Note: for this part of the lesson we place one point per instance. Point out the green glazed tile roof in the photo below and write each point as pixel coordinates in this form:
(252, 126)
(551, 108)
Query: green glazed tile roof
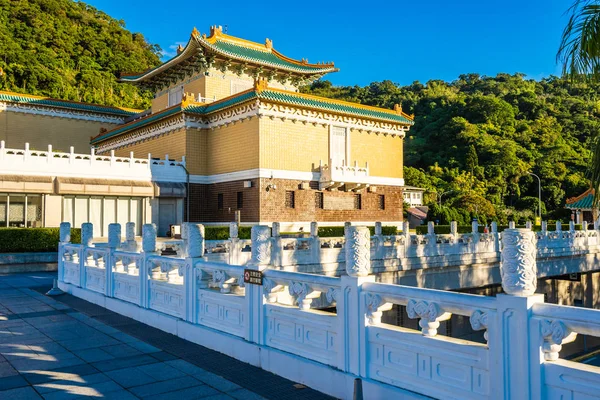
(291, 98)
(211, 107)
(263, 57)
(137, 124)
(332, 105)
(35, 100)
(583, 203)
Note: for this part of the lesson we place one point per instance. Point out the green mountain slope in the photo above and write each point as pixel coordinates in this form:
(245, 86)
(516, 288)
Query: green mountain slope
(69, 50)
(480, 136)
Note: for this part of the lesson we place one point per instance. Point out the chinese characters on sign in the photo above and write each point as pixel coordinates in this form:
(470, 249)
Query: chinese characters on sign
(253, 277)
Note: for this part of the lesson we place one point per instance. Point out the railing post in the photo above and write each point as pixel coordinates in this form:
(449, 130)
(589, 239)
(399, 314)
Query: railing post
(277, 248)
(511, 225)
(148, 250)
(475, 236)
(351, 304)
(234, 241)
(315, 245)
(528, 225)
(64, 237)
(431, 247)
(515, 351)
(194, 250)
(572, 226)
(406, 234)
(454, 231)
(87, 235)
(114, 242)
(544, 228)
(378, 241)
(494, 231)
(130, 236)
(255, 300)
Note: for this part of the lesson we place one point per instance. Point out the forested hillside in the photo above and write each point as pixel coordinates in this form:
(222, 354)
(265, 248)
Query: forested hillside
(69, 50)
(478, 137)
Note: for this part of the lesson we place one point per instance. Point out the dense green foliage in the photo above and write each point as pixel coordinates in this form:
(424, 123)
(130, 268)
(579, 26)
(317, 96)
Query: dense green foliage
(477, 138)
(24, 240)
(69, 50)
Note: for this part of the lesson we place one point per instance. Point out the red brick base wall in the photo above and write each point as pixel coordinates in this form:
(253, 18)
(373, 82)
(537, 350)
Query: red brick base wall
(261, 205)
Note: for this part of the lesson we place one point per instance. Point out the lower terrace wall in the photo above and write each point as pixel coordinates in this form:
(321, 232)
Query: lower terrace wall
(264, 206)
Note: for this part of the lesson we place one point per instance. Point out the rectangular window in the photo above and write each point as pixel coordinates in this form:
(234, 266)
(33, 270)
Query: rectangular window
(96, 215)
(319, 200)
(240, 200)
(34, 211)
(337, 151)
(381, 202)
(3, 209)
(67, 214)
(357, 202)
(175, 95)
(220, 201)
(290, 199)
(16, 211)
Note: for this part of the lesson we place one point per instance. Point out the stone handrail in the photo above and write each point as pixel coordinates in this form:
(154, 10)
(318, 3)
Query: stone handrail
(305, 319)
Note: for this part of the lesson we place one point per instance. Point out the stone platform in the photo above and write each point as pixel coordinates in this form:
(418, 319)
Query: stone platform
(65, 347)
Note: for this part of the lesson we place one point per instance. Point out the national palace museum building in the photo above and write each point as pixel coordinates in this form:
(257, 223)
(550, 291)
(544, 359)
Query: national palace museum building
(228, 131)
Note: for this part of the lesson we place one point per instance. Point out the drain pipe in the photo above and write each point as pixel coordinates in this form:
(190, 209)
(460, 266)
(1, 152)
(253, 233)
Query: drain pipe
(187, 193)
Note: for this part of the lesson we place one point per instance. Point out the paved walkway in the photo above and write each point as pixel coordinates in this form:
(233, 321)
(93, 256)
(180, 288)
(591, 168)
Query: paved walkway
(64, 347)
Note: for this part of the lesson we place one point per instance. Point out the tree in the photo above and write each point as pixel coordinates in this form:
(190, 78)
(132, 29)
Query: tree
(471, 160)
(579, 53)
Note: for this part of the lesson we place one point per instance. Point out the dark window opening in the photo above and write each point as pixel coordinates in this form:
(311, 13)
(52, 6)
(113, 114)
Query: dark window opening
(240, 200)
(220, 201)
(381, 202)
(319, 200)
(357, 202)
(290, 199)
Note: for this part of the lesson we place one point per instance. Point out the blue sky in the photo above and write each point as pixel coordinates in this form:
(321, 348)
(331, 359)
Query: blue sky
(400, 40)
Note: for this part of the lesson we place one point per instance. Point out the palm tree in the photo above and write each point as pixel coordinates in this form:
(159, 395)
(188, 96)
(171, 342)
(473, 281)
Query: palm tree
(579, 54)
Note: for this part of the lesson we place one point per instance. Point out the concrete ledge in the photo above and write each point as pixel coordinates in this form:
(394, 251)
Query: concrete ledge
(35, 267)
(310, 373)
(28, 258)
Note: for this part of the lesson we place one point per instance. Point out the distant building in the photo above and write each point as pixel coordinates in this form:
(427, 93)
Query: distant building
(228, 115)
(582, 207)
(413, 195)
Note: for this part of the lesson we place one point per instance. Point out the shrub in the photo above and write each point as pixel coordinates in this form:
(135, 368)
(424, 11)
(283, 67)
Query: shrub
(25, 240)
(222, 232)
(338, 231)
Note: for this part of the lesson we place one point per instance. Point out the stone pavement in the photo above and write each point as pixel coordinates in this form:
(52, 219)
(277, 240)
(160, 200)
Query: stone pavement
(65, 347)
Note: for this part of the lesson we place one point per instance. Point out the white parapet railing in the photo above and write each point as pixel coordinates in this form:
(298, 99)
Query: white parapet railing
(50, 162)
(400, 252)
(326, 331)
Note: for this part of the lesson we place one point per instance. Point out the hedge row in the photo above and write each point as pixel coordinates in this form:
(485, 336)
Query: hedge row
(222, 232)
(32, 240)
(445, 229)
(338, 231)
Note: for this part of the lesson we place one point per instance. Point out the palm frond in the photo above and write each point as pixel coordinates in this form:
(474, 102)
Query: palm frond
(579, 51)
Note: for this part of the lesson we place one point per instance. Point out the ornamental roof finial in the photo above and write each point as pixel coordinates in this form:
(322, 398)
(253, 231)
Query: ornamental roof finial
(398, 109)
(216, 30)
(187, 99)
(179, 49)
(195, 32)
(261, 84)
(268, 43)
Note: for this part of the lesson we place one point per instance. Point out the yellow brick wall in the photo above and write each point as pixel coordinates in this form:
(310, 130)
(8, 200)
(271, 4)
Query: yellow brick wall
(384, 153)
(197, 142)
(160, 103)
(233, 148)
(40, 130)
(292, 146)
(172, 144)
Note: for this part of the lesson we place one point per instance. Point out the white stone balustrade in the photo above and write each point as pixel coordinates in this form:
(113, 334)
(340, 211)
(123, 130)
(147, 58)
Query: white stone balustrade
(52, 163)
(284, 327)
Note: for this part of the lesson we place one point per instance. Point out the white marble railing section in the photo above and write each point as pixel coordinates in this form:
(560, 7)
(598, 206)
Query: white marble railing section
(435, 365)
(31, 162)
(336, 322)
(555, 326)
